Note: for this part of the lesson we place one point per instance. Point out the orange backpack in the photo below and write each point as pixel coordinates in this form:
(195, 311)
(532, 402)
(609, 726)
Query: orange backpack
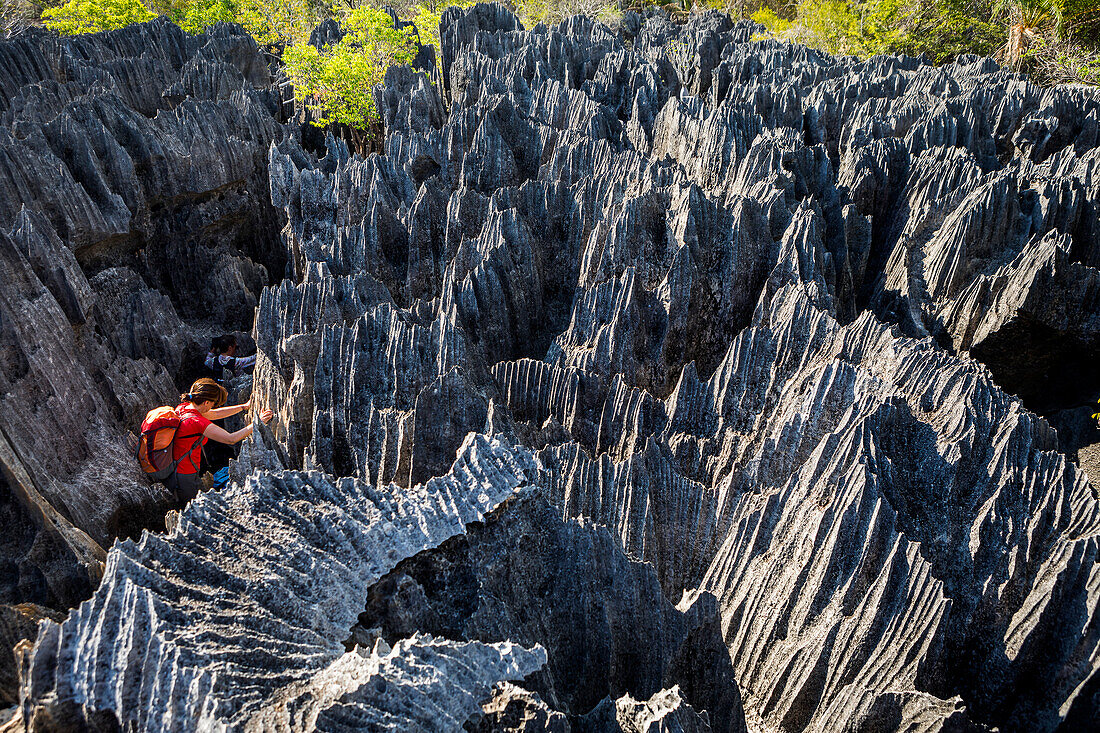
(154, 447)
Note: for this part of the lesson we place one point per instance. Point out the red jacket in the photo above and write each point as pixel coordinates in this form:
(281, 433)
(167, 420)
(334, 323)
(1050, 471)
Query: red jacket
(189, 439)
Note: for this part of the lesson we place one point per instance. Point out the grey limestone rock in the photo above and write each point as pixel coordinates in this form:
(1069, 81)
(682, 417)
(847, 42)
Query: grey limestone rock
(310, 548)
(665, 711)
(512, 708)
(18, 628)
(781, 322)
(134, 220)
(608, 630)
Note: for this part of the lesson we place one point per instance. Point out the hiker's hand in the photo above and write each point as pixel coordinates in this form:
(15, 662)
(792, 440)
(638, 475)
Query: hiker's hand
(265, 416)
(247, 405)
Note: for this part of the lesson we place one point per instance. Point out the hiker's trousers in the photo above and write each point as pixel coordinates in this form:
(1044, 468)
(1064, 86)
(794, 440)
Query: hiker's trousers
(185, 487)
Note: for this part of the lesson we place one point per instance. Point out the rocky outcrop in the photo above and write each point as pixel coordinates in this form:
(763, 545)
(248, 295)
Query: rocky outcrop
(632, 318)
(18, 629)
(307, 548)
(751, 304)
(527, 576)
(140, 147)
(134, 222)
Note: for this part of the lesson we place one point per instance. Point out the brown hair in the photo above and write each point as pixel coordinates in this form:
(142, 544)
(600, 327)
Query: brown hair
(206, 390)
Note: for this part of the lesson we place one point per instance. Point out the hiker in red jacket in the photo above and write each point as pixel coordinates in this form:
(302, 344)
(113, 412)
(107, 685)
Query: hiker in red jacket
(196, 410)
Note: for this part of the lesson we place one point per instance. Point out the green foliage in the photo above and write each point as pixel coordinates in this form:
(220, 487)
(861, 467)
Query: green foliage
(831, 25)
(1028, 21)
(1032, 14)
(945, 30)
(197, 16)
(1026, 34)
(276, 22)
(860, 28)
(427, 15)
(270, 22)
(1055, 41)
(866, 29)
(336, 82)
(1082, 21)
(371, 29)
(1054, 61)
(89, 16)
(16, 16)
(768, 18)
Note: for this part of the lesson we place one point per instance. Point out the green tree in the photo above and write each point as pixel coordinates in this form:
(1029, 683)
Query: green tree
(197, 16)
(778, 26)
(89, 16)
(273, 23)
(839, 27)
(336, 83)
(1055, 41)
(1082, 21)
(276, 22)
(947, 29)
(427, 14)
(552, 12)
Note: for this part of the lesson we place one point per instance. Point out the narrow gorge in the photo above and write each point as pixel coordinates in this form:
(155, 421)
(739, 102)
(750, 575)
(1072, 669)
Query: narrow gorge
(650, 378)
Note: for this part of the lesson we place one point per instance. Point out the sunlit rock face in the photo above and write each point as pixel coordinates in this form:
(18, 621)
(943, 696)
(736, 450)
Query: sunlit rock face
(255, 642)
(655, 378)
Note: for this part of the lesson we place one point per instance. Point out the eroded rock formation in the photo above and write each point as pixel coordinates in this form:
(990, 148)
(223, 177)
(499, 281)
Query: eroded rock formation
(258, 642)
(674, 380)
(529, 577)
(733, 297)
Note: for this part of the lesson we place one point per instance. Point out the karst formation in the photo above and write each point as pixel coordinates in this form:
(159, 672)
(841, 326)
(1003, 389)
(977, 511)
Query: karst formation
(651, 378)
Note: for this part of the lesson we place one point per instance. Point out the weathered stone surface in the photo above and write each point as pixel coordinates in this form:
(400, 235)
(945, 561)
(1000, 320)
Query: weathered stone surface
(665, 711)
(800, 342)
(733, 292)
(529, 577)
(512, 708)
(150, 157)
(18, 624)
(310, 548)
(57, 420)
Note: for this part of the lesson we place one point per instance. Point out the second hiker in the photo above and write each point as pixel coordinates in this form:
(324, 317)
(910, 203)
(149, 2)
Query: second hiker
(222, 362)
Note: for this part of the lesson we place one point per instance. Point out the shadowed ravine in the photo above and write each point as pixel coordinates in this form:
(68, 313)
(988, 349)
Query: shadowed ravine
(617, 394)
